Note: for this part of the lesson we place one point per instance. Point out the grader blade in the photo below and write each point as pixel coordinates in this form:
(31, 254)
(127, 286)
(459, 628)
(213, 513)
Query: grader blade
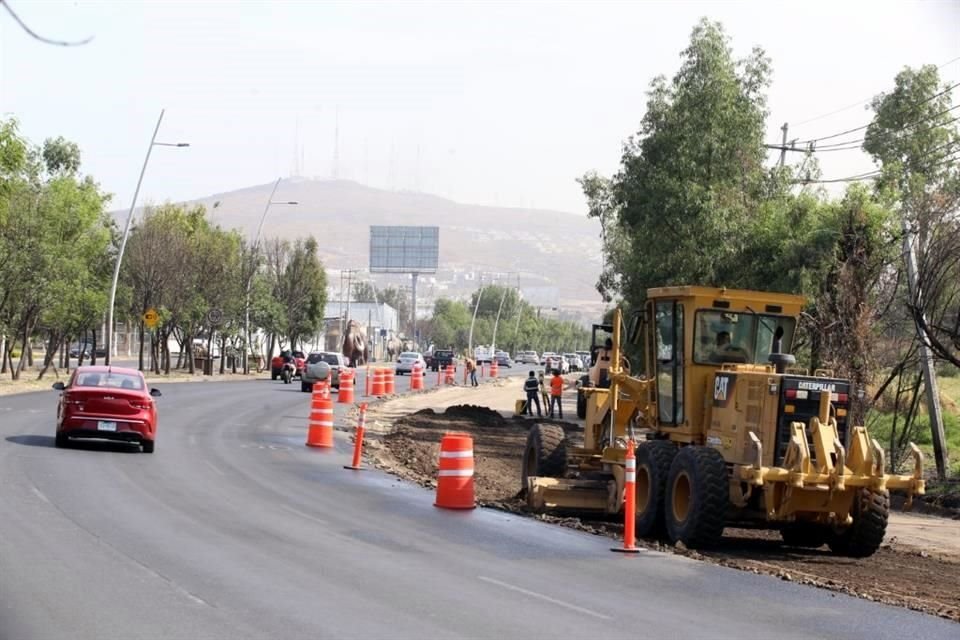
(562, 494)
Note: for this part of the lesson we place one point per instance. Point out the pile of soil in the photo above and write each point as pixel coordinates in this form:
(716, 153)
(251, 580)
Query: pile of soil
(897, 574)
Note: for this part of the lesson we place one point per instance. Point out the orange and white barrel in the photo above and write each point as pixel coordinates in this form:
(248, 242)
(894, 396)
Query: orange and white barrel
(455, 487)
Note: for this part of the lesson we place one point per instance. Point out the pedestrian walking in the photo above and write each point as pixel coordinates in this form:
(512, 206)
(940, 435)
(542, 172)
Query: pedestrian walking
(532, 387)
(556, 393)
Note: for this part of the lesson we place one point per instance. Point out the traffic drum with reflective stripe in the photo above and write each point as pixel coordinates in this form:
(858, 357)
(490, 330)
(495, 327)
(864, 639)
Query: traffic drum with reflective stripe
(455, 488)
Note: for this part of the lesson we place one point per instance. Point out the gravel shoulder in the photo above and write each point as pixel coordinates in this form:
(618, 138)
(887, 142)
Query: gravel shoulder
(918, 566)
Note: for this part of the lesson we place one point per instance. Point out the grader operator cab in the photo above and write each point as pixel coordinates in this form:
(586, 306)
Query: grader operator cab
(729, 432)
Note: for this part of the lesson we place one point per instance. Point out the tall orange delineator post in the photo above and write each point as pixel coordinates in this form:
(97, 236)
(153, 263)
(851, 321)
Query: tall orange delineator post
(455, 488)
(389, 382)
(630, 503)
(320, 426)
(376, 388)
(494, 369)
(345, 394)
(358, 439)
(416, 378)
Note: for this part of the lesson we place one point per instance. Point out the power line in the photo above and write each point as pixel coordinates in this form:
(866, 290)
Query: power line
(847, 145)
(861, 128)
(857, 104)
(33, 34)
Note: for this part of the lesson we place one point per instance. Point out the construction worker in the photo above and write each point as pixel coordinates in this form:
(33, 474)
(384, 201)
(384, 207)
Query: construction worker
(532, 387)
(556, 393)
(471, 366)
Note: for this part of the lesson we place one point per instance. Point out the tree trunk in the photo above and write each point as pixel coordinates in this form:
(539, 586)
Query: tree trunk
(223, 353)
(208, 362)
(50, 356)
(93, 347)
(191, 361)
(4, 346)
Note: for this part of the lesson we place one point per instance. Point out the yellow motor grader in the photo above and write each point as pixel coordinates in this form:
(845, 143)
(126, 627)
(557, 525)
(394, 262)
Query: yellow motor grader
(729, 432)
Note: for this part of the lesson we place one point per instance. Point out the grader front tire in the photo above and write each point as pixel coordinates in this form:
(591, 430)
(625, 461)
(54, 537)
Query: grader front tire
(545, 453)
(653, 467)
(871, 510)
(697, 497)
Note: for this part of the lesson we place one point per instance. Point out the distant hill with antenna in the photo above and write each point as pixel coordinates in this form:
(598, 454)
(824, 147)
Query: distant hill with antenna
(547, 248)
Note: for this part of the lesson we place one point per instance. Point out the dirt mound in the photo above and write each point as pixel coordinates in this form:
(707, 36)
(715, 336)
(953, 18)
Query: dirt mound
(482, 416)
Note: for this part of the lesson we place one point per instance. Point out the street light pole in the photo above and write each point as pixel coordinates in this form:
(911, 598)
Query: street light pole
(472, 322)
(126, 232)
(253, 269)
(493, 346)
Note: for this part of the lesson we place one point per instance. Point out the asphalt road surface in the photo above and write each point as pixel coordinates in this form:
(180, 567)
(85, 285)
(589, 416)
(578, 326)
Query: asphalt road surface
(234, 529)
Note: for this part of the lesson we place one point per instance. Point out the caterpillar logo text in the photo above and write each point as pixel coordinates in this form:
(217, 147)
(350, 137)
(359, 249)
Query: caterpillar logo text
(722, 389)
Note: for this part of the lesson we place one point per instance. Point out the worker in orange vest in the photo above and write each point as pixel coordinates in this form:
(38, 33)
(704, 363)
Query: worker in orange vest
(556, 393)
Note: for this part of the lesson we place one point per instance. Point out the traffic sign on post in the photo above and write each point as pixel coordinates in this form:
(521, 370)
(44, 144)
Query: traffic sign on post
(150, 318)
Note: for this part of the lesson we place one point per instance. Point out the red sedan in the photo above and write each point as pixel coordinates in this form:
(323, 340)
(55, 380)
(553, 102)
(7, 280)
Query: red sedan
(107, 403)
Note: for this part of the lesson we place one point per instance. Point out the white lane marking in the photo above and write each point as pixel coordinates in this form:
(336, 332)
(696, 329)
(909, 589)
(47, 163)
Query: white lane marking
(545, 598)
(303, 514)
(39, 493)
(214, 467)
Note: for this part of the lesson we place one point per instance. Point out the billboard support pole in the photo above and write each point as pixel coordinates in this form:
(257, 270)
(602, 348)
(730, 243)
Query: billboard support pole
(413, 312)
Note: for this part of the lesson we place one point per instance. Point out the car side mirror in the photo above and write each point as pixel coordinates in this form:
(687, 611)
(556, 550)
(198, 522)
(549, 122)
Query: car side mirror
(59, 386)
(155, 393)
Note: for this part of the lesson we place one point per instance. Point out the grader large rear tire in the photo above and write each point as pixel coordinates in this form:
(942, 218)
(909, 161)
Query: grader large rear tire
(871, 509)
(697, 497)
(545, 453)
(653, 468)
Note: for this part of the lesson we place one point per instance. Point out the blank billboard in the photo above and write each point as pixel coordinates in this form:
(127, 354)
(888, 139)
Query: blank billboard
(404, 249)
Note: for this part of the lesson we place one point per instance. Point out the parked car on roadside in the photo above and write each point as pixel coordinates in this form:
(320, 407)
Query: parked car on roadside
(321, 365)
(503, 359)
(555, 362)
(442, 358)
(107, 403)
(407, 360)
(528, 357)
(574, 361)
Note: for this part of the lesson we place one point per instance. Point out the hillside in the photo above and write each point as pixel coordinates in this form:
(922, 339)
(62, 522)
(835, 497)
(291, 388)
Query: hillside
(548, 248)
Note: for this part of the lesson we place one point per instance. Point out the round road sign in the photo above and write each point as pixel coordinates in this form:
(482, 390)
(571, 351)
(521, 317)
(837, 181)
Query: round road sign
(150, 318)
(215, 316)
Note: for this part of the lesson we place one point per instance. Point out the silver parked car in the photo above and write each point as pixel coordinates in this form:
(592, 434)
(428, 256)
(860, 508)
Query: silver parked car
(322, 365)
(407, 360)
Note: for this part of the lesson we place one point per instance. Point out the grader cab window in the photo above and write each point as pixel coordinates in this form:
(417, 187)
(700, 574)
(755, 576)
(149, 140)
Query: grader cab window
(669, 361)
(743, 338)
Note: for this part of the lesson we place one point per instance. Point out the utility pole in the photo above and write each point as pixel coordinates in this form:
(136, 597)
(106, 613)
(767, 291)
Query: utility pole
(783, 149)
(349, 273)
(926, 357)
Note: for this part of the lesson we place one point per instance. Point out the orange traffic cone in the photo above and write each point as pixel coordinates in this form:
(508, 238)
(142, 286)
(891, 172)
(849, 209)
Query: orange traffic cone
(416, 378)
(358, 440)
(451, 375)
(455, 475)
(376, 388)
(345, 395)
(494, 369)
(320, 427)
(389, 383)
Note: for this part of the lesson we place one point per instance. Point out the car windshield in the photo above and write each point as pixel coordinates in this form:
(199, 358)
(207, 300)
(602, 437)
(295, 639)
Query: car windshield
(410, 355)
(721, 336)
(112, 380)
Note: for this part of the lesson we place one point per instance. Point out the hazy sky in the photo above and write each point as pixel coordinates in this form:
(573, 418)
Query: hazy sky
(493, 103)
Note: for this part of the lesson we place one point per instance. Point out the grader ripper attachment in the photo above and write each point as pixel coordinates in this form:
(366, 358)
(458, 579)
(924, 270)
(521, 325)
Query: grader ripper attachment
(729, 432)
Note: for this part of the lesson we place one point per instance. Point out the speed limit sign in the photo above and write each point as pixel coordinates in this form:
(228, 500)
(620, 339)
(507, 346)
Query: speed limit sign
(215, 316)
